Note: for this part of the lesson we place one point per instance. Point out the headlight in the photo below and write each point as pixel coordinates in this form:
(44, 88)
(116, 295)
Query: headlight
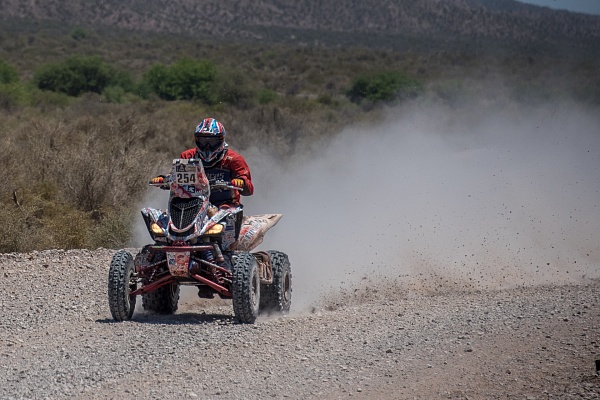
(156, 229)
(215, 230)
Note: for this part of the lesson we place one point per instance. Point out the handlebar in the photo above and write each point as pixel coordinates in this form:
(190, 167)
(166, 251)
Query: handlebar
(218, 185)
(222, 185)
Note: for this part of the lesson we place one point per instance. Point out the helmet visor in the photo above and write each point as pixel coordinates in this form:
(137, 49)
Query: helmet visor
(210, 143)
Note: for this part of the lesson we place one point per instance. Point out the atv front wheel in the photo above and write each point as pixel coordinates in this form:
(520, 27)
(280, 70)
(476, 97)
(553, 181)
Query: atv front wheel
(121, 282)
(245, 287)
(277, 297)
(162, 300)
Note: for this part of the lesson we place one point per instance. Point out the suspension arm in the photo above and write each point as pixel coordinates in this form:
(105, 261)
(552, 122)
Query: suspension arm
(152, 286)
(213, 285)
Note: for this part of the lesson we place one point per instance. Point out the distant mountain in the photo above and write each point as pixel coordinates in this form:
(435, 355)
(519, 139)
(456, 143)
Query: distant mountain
(319, 20)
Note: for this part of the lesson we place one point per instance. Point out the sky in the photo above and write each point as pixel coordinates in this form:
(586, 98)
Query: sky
(583, 6)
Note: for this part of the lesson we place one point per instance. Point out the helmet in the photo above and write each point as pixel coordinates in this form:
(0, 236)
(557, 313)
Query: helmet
(210, 140)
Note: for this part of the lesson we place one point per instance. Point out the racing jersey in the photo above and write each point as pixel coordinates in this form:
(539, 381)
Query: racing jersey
(231, 166)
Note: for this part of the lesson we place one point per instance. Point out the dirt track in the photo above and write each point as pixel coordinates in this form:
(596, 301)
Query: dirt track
(57, 341)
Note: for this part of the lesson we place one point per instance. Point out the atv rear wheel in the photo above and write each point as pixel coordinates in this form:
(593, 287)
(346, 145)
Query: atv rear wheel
(277, 297)
(162, 300)
(245, 287)
(121, 282)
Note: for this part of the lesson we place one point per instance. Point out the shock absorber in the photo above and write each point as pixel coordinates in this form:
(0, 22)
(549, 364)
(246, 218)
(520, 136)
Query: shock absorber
(218, 253)
(209, 256)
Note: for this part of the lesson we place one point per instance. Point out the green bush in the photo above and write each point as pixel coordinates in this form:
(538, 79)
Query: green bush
(383, 86)
(46, 100)
(79, 33)
(185, 80)
(7, 73)
(79, 75)
(12, 95)
(114, 94)
(267, 96)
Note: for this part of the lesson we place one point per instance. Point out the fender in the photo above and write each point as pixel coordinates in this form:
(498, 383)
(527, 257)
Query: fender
(253, 230)
(219, 216)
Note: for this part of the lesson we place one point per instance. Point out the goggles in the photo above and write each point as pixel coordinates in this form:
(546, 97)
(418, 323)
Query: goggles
(209, 142)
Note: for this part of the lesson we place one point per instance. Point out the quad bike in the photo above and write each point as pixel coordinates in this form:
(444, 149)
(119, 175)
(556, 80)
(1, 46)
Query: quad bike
(195, 244)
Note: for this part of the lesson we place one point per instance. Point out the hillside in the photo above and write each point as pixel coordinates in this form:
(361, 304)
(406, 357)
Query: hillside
(320, 22)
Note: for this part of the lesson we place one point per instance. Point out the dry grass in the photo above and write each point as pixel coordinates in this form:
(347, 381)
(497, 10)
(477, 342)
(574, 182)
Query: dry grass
(65, 180)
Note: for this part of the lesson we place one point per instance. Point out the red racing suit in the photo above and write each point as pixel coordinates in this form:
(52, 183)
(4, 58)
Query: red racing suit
(231, 166)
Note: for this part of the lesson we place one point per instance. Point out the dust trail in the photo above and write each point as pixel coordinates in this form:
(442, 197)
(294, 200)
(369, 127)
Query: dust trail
(444, 199)
(154, 198)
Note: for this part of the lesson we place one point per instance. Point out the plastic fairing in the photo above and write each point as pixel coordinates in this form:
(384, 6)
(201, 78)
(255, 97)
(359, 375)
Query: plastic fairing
(253, 230)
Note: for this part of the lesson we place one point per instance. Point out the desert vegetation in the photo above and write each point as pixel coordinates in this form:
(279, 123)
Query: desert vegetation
(390, 23)
(87, 116)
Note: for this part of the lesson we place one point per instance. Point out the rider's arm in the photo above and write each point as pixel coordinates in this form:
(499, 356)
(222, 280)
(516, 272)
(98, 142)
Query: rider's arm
(239, 169)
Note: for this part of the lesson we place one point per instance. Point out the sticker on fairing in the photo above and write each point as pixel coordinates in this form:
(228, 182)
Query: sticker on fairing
(253, 230)
(179, 263)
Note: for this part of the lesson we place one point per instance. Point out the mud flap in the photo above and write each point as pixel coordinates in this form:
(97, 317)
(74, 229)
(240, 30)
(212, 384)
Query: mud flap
(265, 269)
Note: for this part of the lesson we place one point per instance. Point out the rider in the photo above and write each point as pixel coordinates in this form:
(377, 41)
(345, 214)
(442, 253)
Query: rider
(220, 164)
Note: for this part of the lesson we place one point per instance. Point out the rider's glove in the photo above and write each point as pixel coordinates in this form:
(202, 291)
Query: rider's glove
(237, 182)
(158, 179)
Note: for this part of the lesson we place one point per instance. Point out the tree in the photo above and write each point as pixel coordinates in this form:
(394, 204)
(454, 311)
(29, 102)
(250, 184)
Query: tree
(383, 86)
(185, 80)
(81, 74)
(7, 73)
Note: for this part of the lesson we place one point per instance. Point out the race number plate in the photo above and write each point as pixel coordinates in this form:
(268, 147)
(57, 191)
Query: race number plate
(189, 177)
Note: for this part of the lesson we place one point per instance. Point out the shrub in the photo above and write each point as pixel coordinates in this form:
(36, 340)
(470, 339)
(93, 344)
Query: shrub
(12, 95)
(113, 230)
(41, 222)
(267, 96)
(80, 74)
(7, 73)
(234, 87)
(20, 227)
(86, 176)
(383, 86)
(325, 99)
(185, 80)
(78, 33)
(45, 99)
(114, 94)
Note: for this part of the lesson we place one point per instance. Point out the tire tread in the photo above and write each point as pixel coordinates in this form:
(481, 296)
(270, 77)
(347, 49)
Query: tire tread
(271, 296)
(244, 268)
(120, 303)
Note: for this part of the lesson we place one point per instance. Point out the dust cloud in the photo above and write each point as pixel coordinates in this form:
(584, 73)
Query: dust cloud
(439, 199)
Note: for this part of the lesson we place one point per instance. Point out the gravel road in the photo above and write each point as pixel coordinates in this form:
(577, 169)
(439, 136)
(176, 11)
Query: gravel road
(57, 340)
